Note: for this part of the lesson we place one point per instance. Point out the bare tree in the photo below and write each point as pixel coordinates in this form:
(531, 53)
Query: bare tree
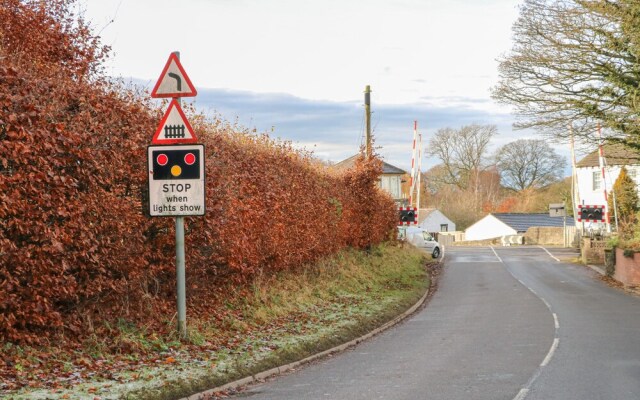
(529, 164)
(463, 206)
(462, 153)
(575, 62)
(460, 178)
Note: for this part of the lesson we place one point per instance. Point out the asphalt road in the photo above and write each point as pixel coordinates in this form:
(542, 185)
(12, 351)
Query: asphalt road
(598, 352)
(506, 323)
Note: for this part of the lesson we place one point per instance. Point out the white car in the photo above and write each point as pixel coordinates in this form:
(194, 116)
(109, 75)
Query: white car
(421, 239)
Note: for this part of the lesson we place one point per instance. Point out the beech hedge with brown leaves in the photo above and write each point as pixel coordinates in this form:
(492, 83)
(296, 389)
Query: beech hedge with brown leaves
(76, 249)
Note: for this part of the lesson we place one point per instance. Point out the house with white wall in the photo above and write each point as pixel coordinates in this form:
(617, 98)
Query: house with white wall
(504, 224)
(591, 185)
(432, 220)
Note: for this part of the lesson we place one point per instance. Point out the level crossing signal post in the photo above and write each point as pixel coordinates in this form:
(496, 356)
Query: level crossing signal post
(176, 169)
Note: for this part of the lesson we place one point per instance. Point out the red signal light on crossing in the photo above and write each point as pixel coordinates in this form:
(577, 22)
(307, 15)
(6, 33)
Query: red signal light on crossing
(408, 216)
(591, 213)
(189, 158)
(162, 159)
(175, 163)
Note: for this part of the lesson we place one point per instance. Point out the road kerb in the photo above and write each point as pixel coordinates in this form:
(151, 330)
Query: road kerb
(337, 349)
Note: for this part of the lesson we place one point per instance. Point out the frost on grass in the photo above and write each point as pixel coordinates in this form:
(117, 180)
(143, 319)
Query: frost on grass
(181, 366)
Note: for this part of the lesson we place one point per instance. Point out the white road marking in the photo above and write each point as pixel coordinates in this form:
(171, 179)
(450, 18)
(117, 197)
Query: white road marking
(556, 341)
(552, 350)
(531, 290)
(552, 256)
(494, 252)
(546, 303)
(521, 394)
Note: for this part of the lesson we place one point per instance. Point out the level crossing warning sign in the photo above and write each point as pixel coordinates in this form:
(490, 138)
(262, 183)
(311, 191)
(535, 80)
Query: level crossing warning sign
(174, 127)
(176, 180)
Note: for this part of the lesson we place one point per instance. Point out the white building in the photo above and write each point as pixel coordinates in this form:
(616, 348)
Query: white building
(432, 220)
(591, 186)
(505, 224)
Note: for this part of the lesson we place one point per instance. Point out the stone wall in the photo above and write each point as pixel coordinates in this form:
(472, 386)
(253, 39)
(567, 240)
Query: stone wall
(544, 236)
(592, 251)
(485, 242)
(552, 236)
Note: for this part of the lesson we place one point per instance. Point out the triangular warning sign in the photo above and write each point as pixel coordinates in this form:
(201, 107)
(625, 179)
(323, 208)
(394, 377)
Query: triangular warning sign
(173, 81)
(174, 127)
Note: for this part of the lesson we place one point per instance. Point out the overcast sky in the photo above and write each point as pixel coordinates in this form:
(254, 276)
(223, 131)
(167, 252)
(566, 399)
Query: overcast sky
(300, 67)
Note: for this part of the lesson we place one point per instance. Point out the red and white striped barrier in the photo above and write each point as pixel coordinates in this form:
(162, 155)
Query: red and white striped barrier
(413, 162)
(604, 181)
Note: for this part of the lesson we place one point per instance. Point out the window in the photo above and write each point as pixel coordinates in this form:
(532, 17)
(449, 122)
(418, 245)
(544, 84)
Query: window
(632, 172)
(427, 237)
(597, 180)
(444, 227)
(391, 185)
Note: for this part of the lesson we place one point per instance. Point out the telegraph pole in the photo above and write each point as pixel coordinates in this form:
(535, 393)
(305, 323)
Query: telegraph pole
(367, 120)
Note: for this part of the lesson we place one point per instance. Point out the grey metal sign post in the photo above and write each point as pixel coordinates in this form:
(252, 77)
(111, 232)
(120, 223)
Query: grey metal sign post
(181, 288)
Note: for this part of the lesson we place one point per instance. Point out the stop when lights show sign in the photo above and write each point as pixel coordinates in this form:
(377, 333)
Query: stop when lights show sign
(176, 180)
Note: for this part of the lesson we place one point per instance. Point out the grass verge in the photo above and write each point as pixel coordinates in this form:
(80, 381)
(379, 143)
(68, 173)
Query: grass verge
(275, 320)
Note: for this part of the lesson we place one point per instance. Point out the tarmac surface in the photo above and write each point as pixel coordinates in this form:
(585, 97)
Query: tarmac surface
(598, 336)
(505, 323)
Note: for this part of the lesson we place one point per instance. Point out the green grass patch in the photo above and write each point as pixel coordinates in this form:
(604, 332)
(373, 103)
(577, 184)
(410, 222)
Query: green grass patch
(273, 321)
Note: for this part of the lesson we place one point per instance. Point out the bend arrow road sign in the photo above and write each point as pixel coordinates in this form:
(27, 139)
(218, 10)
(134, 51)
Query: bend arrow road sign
(174, 127)
(173, 81)
(176, 180)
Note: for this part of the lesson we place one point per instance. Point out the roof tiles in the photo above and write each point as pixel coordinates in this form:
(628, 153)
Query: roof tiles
(351, 161)
(521, 222)
(614, 154)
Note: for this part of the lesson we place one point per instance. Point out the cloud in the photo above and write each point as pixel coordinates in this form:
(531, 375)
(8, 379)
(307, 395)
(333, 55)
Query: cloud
(448, 101)
(334, 130)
